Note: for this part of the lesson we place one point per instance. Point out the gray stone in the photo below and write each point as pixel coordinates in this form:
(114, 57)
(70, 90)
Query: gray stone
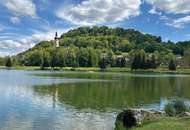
(134, 117)
(129, 118)
(185, 114)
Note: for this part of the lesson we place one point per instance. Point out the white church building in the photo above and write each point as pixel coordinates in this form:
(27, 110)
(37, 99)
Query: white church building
(56, 40)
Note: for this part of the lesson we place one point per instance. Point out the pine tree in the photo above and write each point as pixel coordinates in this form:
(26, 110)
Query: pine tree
(133, 65)
(8, 62)
(172, 65)
(136, 62)
(148, 64)
(123, 62)
(143, 62)
(153, 62)
(103, 63)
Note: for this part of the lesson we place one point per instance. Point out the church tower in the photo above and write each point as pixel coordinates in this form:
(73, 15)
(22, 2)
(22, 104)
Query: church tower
(56, 40)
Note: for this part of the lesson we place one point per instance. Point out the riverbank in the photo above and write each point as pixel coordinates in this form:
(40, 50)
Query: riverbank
(96, 69)
(165, 123)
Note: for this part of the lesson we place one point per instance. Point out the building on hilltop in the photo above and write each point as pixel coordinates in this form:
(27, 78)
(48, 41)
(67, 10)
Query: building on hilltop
(56, 40)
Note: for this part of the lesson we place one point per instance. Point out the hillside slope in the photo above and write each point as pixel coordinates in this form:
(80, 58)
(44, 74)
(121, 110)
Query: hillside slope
(84, 46)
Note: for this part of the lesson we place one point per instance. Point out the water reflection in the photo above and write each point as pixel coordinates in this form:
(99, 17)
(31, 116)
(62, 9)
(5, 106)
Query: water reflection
(78, 100)
(121, 92)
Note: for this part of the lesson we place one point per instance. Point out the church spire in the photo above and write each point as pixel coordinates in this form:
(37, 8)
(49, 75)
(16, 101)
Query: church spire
(56, 40)
(56, 35)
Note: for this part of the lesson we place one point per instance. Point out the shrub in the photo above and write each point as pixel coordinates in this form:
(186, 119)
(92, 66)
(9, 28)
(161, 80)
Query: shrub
(176, 107)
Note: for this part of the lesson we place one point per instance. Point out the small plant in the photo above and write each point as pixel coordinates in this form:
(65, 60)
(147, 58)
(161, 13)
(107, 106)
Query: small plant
(176, 107)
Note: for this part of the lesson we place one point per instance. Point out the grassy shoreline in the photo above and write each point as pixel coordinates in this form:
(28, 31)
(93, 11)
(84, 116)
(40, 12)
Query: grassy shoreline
(96, 69)
(166, 123)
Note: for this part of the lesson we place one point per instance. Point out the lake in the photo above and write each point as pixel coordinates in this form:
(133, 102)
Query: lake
(37, 100)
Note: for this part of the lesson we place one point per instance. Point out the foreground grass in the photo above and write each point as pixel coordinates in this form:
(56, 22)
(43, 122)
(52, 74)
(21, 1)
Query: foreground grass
(166, 123)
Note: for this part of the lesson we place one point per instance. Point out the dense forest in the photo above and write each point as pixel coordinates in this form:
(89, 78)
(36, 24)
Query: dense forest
(104, 46)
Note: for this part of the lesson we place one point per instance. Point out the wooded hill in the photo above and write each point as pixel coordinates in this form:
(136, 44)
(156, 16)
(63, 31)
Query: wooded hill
(86, 46)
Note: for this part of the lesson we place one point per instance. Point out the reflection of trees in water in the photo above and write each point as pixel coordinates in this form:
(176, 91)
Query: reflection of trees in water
(55, 95)
(127, 91)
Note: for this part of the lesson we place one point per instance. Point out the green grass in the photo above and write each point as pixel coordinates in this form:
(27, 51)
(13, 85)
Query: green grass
(21, 67)
(166, 123)
(163, 123)
(109, 69)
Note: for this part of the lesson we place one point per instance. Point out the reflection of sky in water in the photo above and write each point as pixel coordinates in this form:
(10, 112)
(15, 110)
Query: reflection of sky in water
(22, 109)
(24, 114)
(25, 111)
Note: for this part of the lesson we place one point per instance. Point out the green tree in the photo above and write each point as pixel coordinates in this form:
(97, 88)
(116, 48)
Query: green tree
(110, 57)
(186, 58)
(142, 60)
(153, 62)
(2, 61)
(136, 62)
(172, 65)
(71, 59)
(46, 59)
(54, 58)
(8, 62)
(34, 58)
(124, 46)
(93, 58)
(120, 62)
(83, 57)
(103, 63)
(62, 59)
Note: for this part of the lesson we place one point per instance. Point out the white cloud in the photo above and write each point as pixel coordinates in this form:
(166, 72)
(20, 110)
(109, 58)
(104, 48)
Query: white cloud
(177, 23)
(92, 12)
(2, 54)
(6, 44)
(180, 22)
(38, 36)
(11, 47)
(165, 18)
(15, 20)
(154, 11)
(21, 7)
(170, 6)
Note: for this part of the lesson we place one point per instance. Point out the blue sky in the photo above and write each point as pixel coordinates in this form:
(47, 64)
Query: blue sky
(23, 23)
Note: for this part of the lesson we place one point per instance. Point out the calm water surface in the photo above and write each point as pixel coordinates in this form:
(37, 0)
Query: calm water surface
(35, 100)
